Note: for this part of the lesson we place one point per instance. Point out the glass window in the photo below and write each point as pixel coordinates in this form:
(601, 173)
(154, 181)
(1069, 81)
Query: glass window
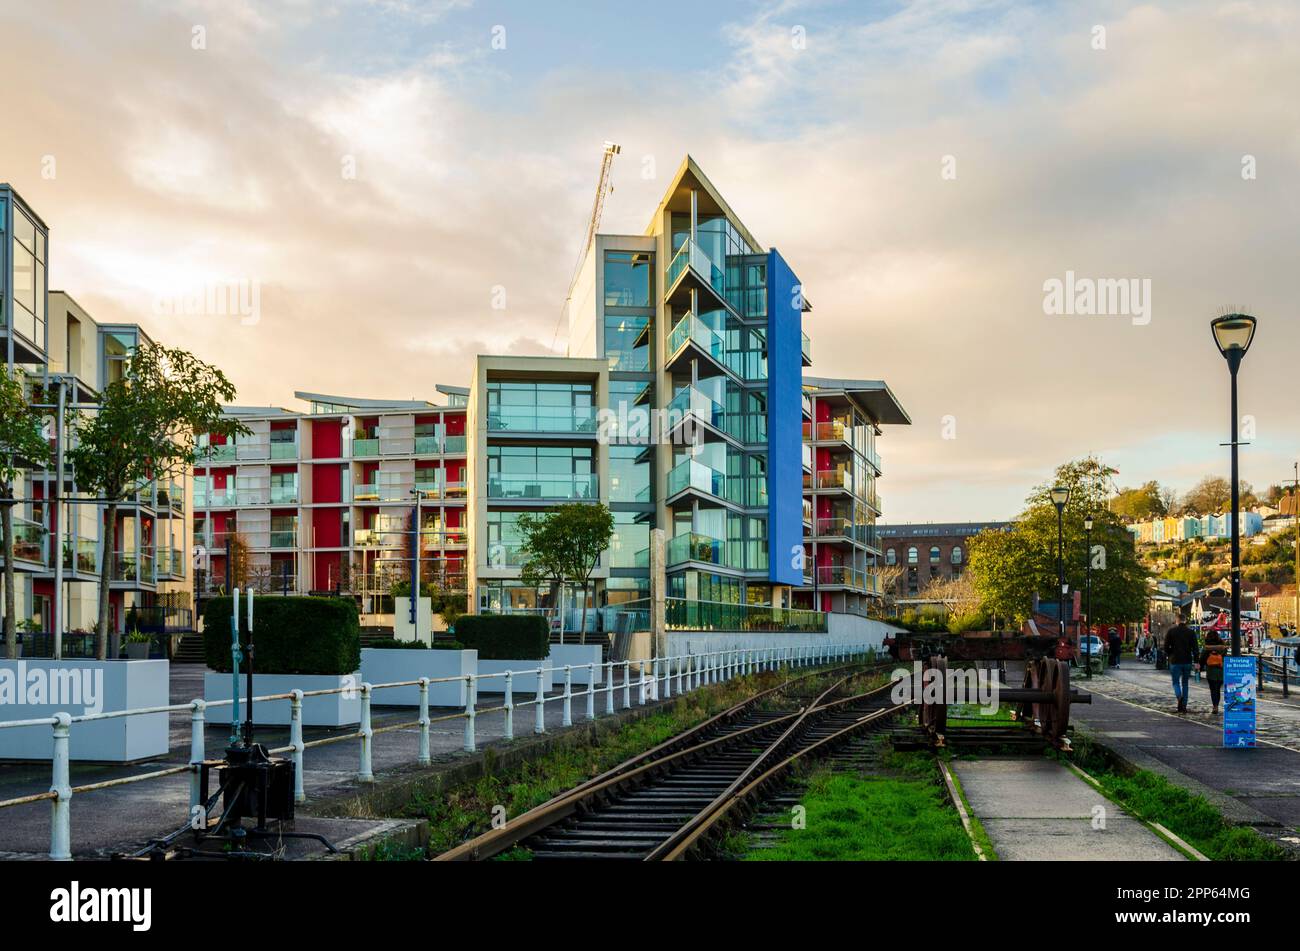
(911, 556)
(627, 345)
(629, 474)
(956, 554)
(630, 546)
(891, 557)
(627, 279)
(934, 555)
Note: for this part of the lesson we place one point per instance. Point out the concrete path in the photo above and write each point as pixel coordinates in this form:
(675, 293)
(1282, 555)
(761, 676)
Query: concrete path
(1039, 810)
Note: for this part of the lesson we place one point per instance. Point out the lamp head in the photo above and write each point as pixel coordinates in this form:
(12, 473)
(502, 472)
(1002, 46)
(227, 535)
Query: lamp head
(1060, 495)
(1087, 524)
(1233, 332)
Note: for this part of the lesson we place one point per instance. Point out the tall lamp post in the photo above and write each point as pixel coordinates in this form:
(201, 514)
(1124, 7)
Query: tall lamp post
(1233, 334)
(1060, 495)
(1087, 590)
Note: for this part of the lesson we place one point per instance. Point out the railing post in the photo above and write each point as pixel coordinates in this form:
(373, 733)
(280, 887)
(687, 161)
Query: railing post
(640, 683)
(510, 705)
(197, 753)
(627, 684)
(424, 758)
(591, 691)
(568, 696)
(668, 678)
(679, 674)
(61, 786)
(609, 686)
(367, 774)
(471, 689)
(539, 725)
(295, 740)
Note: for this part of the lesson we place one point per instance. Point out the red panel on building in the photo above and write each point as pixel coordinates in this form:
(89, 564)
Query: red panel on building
(327, 438)
(327, 483)
(327, 528)
(455, 424)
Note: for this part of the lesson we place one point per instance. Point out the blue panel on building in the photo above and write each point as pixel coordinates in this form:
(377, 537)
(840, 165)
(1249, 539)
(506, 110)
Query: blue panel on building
(784, 422)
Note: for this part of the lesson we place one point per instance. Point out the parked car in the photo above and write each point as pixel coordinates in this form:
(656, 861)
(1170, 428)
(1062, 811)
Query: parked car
(1090, 643)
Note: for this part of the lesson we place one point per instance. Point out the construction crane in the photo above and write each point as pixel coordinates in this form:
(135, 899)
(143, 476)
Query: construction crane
(604, 187)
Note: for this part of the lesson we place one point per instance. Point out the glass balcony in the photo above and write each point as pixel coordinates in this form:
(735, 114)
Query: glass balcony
(284, 495)
(690, 329)
(453, 445)
(431, 489)
(284, 450)
(365, 492)
(835, 479)
(683, 615)
(696, 547)
(81, 556)
(844, 576)
(543, 419)
(454, 490)
(874, 459)
(134, 566)
(427, 445)
(805, 346)
(693, 256)
(692, 402)
(29, 542)
(835, 528)
(690, 474)
(365, 448)
(225, 452)
(833, 431)
(284, 539)
(542, 486)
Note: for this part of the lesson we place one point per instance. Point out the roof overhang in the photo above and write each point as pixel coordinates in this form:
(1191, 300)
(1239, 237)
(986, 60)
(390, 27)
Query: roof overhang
(874, 396)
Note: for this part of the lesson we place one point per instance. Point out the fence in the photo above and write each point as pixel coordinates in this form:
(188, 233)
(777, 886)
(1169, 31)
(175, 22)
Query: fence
(689, 671)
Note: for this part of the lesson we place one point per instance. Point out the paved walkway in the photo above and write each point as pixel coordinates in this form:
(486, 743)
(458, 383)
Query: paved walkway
(1038, 809)
(108, 820)
(1132, 712)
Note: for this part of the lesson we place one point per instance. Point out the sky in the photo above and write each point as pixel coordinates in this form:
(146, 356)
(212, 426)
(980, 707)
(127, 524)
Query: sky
(407, 184)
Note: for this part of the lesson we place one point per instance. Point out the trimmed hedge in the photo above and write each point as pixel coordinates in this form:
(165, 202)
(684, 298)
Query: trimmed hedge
(293, 635)
(393, 644)
(505, 636)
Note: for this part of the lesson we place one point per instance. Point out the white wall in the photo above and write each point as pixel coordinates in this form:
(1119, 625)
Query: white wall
(844, 630)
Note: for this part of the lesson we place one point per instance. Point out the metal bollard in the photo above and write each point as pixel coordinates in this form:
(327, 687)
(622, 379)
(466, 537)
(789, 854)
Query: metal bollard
(609, 686)
(197, 754)
(627, 684)
(510, 705)
(366, 775)
(539, 726)
(295, 740)
(61, 786)
(591, 691)
(471, 689)
(424, 757)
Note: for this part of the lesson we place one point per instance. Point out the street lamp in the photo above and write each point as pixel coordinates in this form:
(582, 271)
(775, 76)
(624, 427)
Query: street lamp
(1233, 334)
(1087, 590)
(1060, 495)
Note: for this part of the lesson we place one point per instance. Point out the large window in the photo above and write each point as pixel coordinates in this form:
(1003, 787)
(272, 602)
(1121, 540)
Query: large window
(541, 472)
(934, 554)
(956, 554)
(27, 249)
(541, 407)
(627, 279)
(891, 557)
(630, 546)
(627, 345)
(629, 474)
(911, 556)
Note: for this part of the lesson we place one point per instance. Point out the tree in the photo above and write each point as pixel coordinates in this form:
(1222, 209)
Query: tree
(565, 544)
(1007, 567)
(21, 447)
(1141, 503)
(1214, 494)
(144, 429)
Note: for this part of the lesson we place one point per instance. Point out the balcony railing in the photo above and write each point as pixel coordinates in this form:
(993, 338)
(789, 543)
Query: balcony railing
(684, 615)
(835, 479)
(542, 486)
(134, 566)
(689, 474)
(81, 555)
(365, 448)
(29, 542)
(427, 445)
(805, 347)
(284, 495)
(696, 547)
(693, 330)
(284, 539)
(847, 577)
(284, 450)
(543, 419)
(692, 255)
(454, 445)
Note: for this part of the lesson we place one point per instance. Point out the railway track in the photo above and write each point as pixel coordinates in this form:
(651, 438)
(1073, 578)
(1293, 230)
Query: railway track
(666, 803)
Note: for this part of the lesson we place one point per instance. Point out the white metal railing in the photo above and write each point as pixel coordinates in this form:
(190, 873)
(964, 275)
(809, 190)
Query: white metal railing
(654, 676)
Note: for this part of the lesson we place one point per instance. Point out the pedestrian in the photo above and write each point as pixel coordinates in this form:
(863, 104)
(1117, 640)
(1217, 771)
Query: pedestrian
(1211, 661)
(1180, 646)
(1116, 645)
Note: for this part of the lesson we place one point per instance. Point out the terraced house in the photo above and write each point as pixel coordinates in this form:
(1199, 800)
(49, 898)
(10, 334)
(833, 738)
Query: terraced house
(62, 353)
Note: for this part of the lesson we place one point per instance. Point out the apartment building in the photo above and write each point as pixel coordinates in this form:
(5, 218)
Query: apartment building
(55, 346)
(326, 498)
(841, 504)
(928, 552)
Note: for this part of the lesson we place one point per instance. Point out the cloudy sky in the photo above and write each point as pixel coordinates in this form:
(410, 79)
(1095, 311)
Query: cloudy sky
(382, 167)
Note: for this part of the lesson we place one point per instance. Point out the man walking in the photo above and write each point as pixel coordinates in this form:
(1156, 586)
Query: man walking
(1180, 647)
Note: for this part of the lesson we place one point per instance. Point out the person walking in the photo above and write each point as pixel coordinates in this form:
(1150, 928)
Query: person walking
(1180, 646)
(1116, 645)
(1211, 662)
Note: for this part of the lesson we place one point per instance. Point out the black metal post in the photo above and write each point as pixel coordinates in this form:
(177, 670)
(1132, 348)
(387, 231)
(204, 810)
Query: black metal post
(1060, 566)
(1234, 361)
(1087, 589)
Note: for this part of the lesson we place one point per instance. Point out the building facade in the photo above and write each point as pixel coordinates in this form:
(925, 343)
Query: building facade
(929, 552)
(59, 351)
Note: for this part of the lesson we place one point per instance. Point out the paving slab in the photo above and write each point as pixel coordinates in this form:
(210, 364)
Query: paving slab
(1038, 809)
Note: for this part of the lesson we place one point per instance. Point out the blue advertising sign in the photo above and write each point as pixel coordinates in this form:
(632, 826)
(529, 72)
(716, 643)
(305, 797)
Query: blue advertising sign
(1239, 686)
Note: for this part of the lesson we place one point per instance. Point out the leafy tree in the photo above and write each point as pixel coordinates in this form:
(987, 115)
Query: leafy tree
(144, 430)
(1007, 567)
(564, 545)
(21, 447)
(1214, 494)
(1141, 503)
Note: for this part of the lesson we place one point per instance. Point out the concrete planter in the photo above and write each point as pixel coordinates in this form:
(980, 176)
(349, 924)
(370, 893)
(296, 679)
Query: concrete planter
(335, 709)
(578, 656)
(523, 683)
(41, 687)
(137, 651)
(380, 666)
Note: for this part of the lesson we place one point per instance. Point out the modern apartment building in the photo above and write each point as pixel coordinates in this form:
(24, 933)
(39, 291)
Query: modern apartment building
(840, 502)
(325, 499)
(54, 345)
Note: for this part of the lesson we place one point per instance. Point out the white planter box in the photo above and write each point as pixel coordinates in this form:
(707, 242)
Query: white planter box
(335, 709)
(385, 666)
(422, 629)
(578, 656)
(97, 686)
(522, 683)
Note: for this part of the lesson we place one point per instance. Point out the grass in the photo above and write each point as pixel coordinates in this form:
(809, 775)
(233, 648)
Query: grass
(1193, 818)
(902, 816)
(977, 832)
(972, 715)
(466, 811)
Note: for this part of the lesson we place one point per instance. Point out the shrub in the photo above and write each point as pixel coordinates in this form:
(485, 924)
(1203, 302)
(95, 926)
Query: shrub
(392, 643)
(505, 636)
(294, 635)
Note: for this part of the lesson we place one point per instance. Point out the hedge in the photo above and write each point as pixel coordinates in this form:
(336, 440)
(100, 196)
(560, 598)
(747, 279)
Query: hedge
(505, 636)
(293, 635)
(392, 644)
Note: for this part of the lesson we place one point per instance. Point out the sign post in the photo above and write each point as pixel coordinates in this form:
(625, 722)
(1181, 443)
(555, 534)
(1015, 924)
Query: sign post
(1239, 689)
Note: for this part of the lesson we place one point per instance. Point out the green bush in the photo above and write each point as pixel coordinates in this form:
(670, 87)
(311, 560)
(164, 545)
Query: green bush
(505, 636)
(392, 643)
(292, 635)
